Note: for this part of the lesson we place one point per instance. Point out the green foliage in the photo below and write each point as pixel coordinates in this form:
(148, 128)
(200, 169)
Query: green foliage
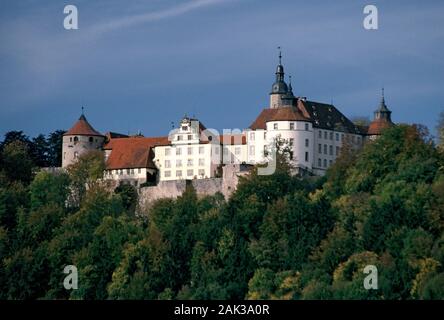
(278, 237)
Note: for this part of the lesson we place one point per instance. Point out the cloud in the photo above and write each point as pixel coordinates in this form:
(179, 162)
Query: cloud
(129, 21)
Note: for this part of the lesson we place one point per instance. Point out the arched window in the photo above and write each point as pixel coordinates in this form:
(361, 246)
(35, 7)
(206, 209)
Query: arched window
(76, 139)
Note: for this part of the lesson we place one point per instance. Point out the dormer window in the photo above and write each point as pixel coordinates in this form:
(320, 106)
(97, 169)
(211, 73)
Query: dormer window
(184, 128)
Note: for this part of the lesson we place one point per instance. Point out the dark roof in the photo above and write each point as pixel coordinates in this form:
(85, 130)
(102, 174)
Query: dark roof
(114, 135)
(134, 152)
(82, 128)
(326, 116)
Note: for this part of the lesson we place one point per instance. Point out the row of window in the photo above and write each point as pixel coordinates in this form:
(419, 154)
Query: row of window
(330, 149)
(190, 151)
(120, 172)
(181, 137)
(190, 173)
(330, 162)
(329, 135)
(76, 139)
(179, 163)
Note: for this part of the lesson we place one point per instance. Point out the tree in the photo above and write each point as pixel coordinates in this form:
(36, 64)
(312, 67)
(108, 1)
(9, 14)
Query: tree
(55, 142)
(17, 165)
(85, 174)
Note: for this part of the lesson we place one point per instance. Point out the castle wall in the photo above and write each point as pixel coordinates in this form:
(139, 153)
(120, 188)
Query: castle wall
(173, 189)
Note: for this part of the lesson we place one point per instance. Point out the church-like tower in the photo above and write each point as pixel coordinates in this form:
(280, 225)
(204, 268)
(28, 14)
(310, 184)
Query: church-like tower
(382, 119)
(281, 95)
(80, 139)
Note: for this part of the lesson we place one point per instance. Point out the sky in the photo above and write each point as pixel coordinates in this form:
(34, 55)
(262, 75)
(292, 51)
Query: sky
(141, 65)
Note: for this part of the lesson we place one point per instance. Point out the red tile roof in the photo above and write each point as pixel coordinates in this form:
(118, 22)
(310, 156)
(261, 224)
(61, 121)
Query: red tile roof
(82, 128)
(287, 114)
(278, 114)
(377, 125)
(134, 152)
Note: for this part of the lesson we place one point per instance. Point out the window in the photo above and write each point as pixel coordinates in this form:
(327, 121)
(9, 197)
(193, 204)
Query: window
(337, 136)
(178, 163)
(337, 151)
(331, 150)
(265, 135)
(325, 149)
(190, 137)
(330, 162)
(179, 138)
(201, 162)
(275, 126)
(225, 151)
(167, 151)
(128, 171)
(342, 137)
(140, 170)
(252, 150)
(201, 150)
(307, 127)
(167, 174)
(178, 151)
(306, 156)
(320, 134)
(76, 139)
(190, 150)
(184, 128)
(331, 135)
(190, 172)
(320, 148)
(237, 151)
(291, 142)
(307, 143)
(190, 162)
(252, 136)
(76, 155)
(325, 135)
(179, 173)
(201, 172)
(91, 140)
(132, 171)
(167, 164)
(70, 139)
(291, 125)
(325, 163)
(319, 162)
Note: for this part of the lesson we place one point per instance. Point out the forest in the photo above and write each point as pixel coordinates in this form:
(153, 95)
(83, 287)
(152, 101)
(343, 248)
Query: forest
(278, 237)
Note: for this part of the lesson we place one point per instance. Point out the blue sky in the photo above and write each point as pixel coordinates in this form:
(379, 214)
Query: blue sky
(139, 65)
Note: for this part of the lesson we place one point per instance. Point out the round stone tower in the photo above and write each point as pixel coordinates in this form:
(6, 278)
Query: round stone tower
(80, 139)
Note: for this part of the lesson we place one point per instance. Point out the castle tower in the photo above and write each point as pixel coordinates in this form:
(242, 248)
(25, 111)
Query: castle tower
(382, 119)
(80, 139)
(279, 89)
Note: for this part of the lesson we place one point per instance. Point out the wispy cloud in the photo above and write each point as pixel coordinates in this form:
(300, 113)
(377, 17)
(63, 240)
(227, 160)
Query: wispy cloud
(129, 21)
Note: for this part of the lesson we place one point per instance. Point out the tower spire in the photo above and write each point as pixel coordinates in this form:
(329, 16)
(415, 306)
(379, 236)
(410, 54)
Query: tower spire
(280, 55)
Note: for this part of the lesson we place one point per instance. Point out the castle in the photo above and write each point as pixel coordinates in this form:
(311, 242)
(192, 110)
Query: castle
(313, 132)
